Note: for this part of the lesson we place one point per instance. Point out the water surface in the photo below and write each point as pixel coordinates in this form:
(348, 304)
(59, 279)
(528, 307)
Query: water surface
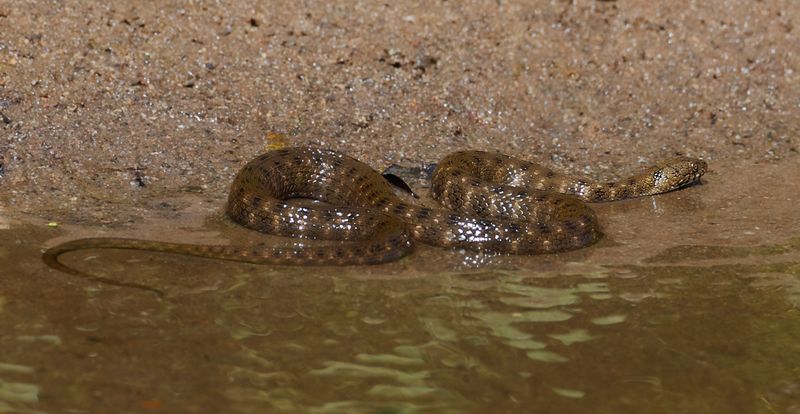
(690, 304)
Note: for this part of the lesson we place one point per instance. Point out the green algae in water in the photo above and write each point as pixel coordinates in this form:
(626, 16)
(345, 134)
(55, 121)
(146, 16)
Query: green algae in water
(408, 351)
(18, 392)
(279, 399)
(526, 344)
(373, 321)
(601, 296)
(481, 281)
(254, 358)
(346, 369)
(245, 331)
(538, 297)
(609, 320)
(586, 270)
(253, 376)
(394, 391)
(594, 287)
(501, 325)
(542, 298)
(565, 392)
(546, 356)
(471, 303)
(461, 362)
(500, 318)
(50, 339)
(20, 369)
(388, 359)
(348, 407)
(241, 330)
(573, 336)
(437, 329)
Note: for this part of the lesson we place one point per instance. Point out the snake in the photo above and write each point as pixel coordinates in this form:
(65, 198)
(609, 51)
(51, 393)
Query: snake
(489, 202)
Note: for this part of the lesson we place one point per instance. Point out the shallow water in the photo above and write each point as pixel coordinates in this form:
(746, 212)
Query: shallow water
(690, 304)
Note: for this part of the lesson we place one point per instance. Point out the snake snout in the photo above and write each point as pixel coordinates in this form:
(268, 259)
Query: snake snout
(678, 173)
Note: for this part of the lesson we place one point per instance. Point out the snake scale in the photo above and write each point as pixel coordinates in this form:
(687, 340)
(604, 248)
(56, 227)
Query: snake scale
(492, 202)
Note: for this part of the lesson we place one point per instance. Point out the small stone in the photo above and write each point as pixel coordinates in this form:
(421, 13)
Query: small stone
(423, 62)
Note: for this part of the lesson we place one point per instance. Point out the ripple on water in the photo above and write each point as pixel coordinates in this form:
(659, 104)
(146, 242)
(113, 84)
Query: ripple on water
(14, 396)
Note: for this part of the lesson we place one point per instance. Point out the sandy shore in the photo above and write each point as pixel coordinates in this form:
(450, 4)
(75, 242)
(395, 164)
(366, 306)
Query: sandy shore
(105, 108)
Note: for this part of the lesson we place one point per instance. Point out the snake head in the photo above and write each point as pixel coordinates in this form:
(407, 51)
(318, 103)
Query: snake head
(676, 173)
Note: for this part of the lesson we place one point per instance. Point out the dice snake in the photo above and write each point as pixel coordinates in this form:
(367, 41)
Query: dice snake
(490, 201)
